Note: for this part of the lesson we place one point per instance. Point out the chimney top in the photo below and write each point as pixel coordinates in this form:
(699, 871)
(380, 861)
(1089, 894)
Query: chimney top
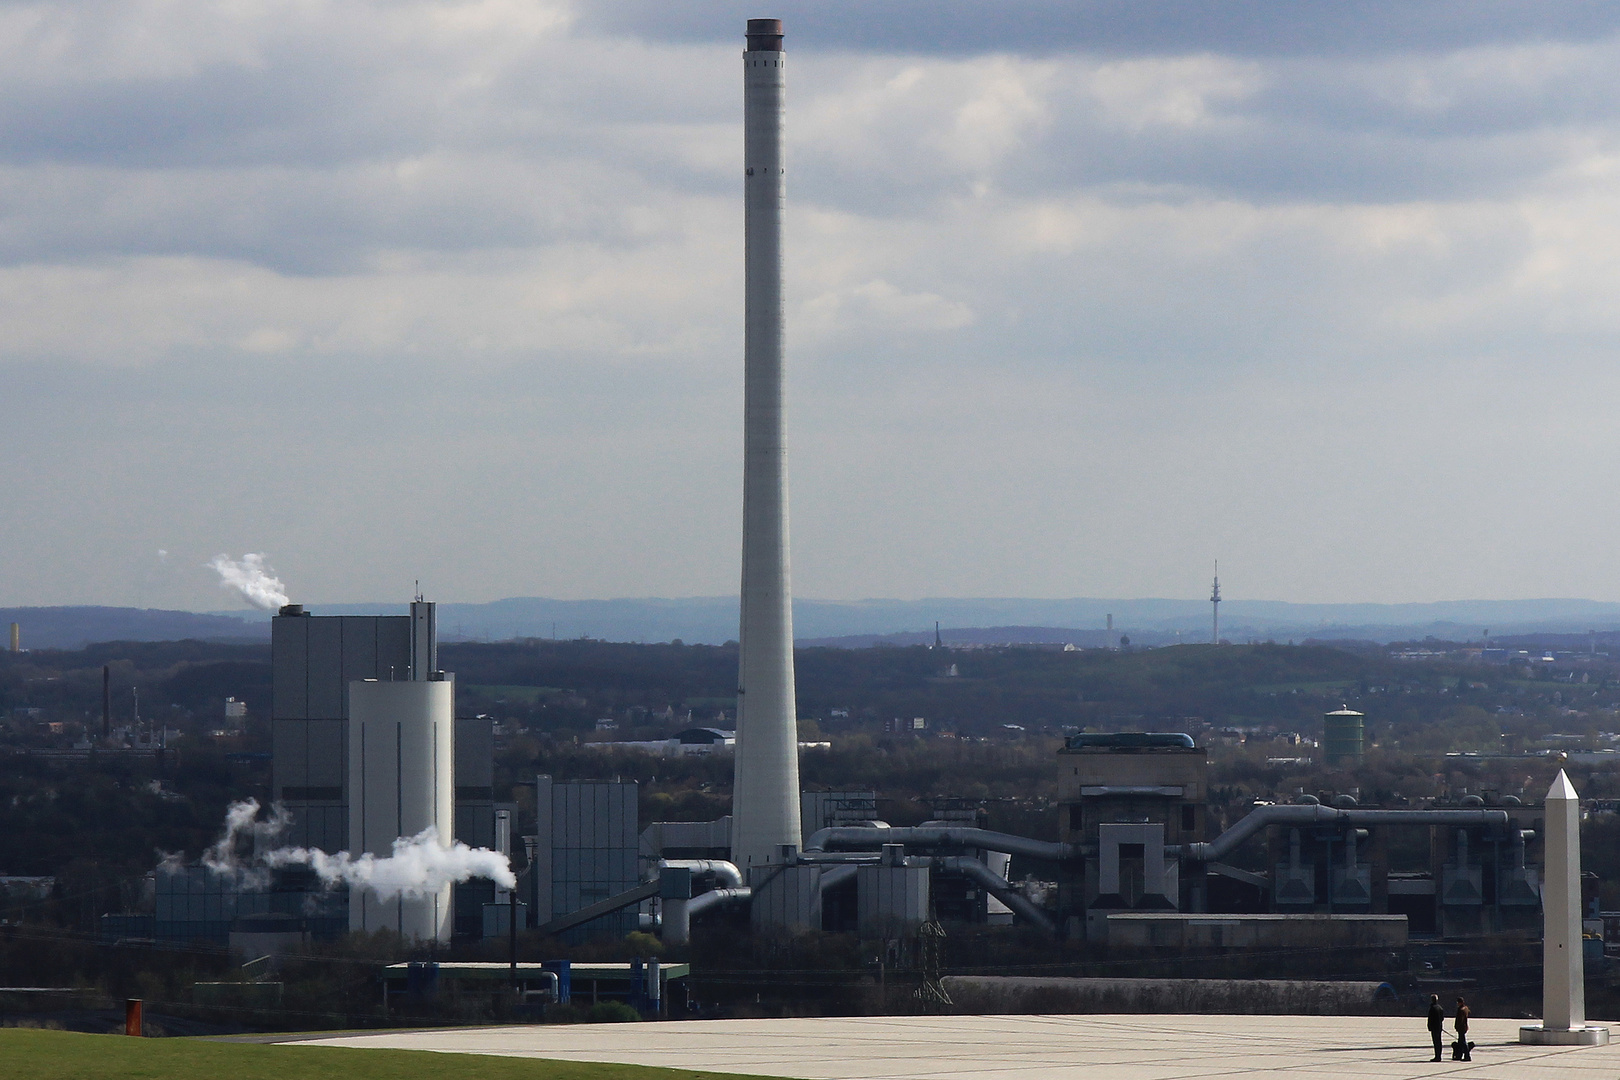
(764, 35)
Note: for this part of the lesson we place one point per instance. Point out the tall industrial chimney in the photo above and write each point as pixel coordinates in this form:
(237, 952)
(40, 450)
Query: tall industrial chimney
(765, 799)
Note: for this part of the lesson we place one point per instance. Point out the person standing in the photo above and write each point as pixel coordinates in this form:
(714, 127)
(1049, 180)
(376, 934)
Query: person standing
(1463, 1045)
(1437, 1022)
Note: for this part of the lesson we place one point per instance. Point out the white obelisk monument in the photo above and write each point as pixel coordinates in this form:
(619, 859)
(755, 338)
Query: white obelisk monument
(765, 793)
(1563, 986)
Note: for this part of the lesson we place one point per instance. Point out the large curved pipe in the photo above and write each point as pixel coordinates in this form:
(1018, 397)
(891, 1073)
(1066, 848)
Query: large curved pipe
(996, 885)
(839, 858)
(1305, 816)
(677, 919)
(930, 836)
(726, 873)
(715, 898)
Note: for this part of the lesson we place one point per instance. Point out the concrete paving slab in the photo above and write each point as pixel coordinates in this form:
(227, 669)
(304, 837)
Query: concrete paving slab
(1030, 1047)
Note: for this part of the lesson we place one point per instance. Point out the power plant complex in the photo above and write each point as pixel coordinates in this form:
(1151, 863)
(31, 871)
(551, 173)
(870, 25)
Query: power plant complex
(368, 751)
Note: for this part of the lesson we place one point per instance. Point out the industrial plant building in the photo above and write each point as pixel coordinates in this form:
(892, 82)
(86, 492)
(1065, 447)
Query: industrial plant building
(1139, 862)
(366, 749)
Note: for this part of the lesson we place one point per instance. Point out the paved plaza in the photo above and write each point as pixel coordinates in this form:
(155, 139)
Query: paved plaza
(1030, 1047)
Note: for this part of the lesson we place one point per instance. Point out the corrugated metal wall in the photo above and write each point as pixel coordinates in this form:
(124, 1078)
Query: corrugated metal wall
(592, 828)
(199, 905)
(891, 899)
(313, 659)
(786, 899)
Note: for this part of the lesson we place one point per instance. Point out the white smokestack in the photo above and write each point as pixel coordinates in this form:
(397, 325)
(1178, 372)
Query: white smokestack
(251, 580)
(765, 799)
(402, 784)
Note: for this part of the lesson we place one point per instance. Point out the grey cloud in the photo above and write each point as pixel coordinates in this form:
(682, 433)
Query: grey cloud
(1117, 27)
(288, 160)
(307, 221)
(1475, 124)
(314, 93)
(1470, 93)
(503, 280)
(1268, 164)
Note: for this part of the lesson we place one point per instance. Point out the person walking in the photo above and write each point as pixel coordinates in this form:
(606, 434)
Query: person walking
(1437, 1022)
(1464, 1047)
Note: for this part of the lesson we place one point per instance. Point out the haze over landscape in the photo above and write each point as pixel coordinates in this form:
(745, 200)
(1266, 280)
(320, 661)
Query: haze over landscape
(712, 620)
(1076, 304)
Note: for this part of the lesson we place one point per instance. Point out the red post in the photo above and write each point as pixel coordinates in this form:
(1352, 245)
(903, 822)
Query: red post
(132, 1016)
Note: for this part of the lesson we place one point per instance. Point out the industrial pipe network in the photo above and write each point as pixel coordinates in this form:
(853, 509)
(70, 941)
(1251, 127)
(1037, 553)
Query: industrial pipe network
(866, 836)
(1329, 816)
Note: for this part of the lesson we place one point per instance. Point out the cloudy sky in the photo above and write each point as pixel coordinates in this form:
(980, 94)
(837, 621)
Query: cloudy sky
(1082, 296)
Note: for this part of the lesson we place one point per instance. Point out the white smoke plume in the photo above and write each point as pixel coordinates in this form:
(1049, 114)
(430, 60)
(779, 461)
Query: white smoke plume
(250, 580)
(420, 864)
(243, 828)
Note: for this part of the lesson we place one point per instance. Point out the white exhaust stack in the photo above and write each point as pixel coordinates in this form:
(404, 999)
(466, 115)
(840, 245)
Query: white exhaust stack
(402, 769)
(765, 794)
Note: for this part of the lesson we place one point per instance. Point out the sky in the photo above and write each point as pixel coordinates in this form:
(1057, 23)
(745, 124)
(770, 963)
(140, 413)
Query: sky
(1081, 297)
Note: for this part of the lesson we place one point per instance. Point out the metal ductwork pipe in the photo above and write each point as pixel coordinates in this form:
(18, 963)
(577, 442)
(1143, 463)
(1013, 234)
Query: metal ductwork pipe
(838, 858)
(1308, 816)
(677, 924)
(716, 898)
(861, 838)
(724, 872)
(995, 884)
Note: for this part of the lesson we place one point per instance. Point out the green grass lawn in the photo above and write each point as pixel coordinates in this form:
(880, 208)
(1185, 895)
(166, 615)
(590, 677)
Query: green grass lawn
(27, 1054)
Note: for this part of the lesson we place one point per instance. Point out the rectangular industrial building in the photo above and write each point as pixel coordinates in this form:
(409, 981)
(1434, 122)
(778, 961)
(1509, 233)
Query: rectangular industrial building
(586, 846)
(313, 659)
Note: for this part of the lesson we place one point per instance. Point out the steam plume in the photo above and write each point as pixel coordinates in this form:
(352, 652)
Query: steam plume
(250, 580)
(243, 828)
(419, 865)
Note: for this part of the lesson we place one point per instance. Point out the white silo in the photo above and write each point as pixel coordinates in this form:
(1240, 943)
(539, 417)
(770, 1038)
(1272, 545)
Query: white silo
(765, 794)
(401, 780)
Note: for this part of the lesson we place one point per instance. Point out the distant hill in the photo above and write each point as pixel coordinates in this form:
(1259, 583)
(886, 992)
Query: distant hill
(713, 619)
(986, 635)
(863, 623)
(75, 627)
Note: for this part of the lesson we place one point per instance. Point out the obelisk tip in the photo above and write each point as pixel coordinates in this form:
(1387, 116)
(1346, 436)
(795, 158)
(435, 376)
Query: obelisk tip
(1562, 789)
